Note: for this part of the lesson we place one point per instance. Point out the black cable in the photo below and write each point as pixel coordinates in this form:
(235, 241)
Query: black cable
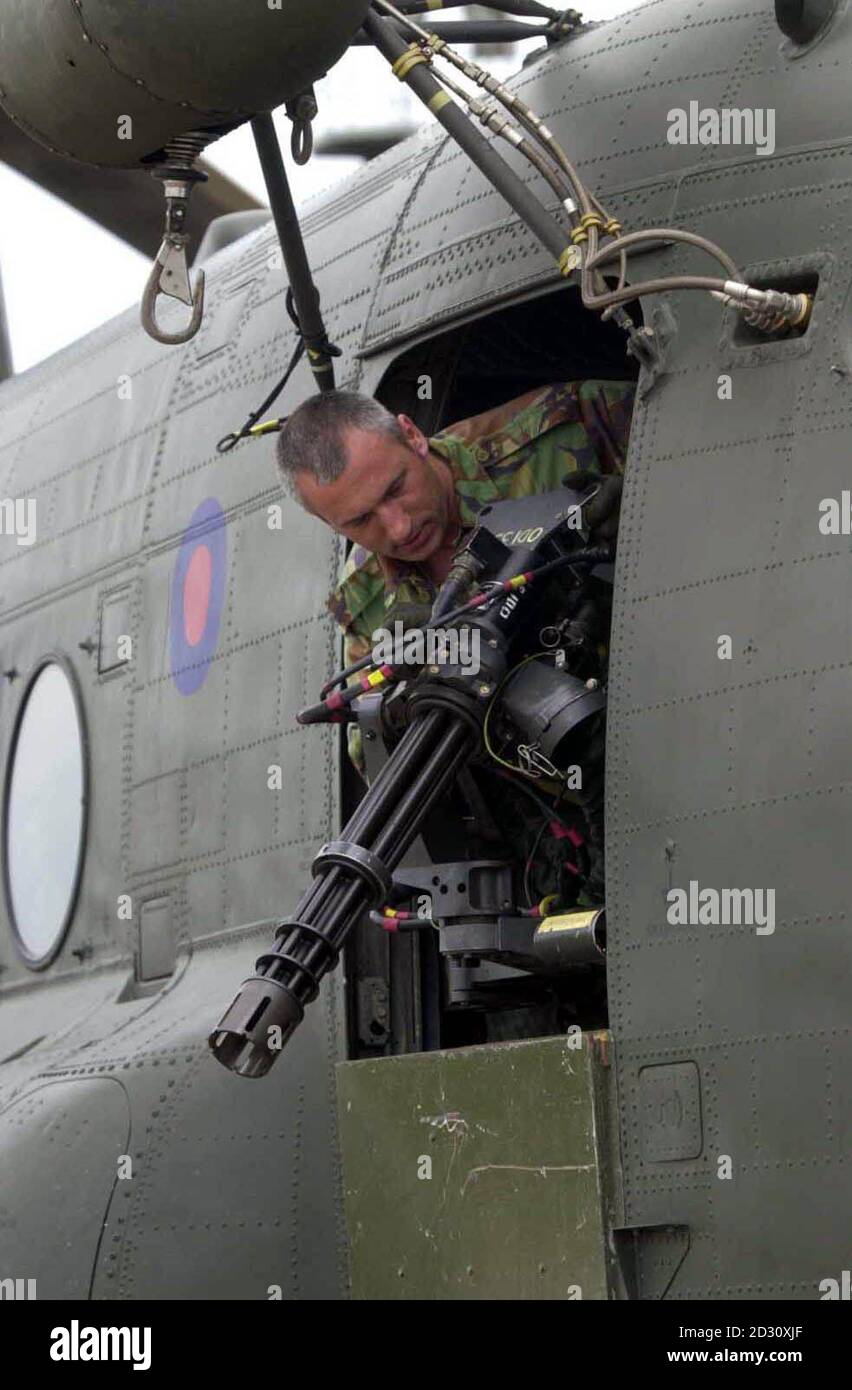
(544, 806)
(592, 555)
(230, 441)
(529, 864)
(340, 676)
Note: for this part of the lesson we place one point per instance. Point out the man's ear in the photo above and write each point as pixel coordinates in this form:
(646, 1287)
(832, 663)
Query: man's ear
(416, 438)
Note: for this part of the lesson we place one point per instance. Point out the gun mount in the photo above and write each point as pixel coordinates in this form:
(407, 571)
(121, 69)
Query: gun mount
(446, 710)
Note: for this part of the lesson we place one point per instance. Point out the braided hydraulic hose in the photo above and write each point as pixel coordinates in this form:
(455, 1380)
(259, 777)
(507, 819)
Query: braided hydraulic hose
(767, 310)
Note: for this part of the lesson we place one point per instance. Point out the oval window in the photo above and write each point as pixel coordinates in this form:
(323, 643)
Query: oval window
(45, 813)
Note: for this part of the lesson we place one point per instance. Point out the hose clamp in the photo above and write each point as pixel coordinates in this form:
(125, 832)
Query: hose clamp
(409, 59)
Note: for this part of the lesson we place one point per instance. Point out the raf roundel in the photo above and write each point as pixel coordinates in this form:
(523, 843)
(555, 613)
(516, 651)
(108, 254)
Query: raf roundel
(198, 590)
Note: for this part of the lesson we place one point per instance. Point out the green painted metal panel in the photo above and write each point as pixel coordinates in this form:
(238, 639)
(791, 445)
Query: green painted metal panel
(478, 1173)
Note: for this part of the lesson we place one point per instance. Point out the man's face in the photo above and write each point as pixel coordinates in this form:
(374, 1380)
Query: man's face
(392, 497)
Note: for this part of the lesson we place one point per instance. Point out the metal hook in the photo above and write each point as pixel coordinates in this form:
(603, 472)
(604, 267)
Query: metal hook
(170, 276)
(302, 109)
(302, 141)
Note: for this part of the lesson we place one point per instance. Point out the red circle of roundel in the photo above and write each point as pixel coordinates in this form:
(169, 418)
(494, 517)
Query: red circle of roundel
(198, 591)
(196, 594)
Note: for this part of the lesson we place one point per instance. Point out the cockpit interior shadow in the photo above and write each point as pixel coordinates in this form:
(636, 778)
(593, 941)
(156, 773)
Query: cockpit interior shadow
(476, 366)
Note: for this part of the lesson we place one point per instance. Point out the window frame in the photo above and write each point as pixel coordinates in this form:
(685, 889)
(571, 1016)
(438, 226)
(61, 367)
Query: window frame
(51, 658)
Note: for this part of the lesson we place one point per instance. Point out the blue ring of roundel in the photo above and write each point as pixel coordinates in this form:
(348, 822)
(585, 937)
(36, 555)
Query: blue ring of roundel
(190, 664)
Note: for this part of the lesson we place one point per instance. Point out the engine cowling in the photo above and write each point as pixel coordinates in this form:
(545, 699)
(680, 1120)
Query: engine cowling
(110, 82)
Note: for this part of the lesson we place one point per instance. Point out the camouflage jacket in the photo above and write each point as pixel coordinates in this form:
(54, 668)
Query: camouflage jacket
(524, 447)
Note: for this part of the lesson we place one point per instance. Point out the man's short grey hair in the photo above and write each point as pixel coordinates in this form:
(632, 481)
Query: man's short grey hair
(312, 439)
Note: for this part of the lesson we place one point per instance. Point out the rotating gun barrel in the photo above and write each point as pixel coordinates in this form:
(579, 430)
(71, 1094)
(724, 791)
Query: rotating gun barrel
(354, 874)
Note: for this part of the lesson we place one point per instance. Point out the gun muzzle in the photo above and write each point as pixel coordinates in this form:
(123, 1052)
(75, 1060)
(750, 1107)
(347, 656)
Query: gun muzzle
(350, 876)
(256, 1026)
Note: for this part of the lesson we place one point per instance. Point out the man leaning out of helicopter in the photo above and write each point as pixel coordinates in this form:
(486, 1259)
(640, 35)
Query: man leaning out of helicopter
(405, 500)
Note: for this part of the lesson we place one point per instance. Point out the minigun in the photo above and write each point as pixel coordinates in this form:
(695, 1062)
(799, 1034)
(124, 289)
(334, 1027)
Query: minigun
(528, 562)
